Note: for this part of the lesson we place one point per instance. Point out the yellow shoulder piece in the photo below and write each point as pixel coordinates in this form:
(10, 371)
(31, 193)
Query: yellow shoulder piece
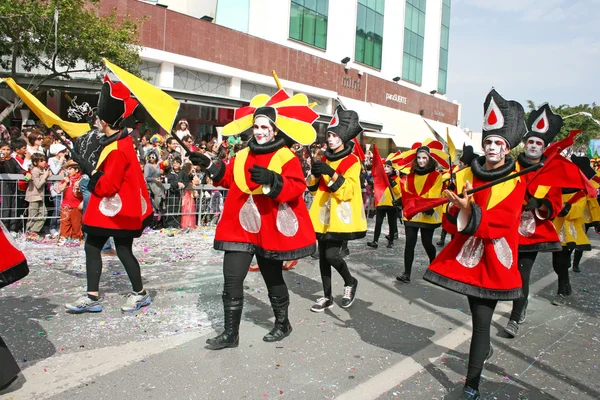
(106, 151)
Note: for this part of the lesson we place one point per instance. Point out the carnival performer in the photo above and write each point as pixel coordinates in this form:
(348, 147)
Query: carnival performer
(119, 205)
(386, 206)
(13, 267)
(481, 261)
(337, 211)
(264, 212)
(540, 206)
(423, 182)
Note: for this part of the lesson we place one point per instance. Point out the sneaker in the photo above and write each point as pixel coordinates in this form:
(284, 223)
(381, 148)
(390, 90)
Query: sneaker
(395, 236)
(54, 233)
(403, 278)
(135, 301)
(322, 304)
(523, 316)
(349, 294)
(390, 244)
(372, 244)
(569, 289)
(14, 234)
(440, 243)
(84, 304)
(469, 394)
(32, 237)
(559, 300)
(512, 329)
(576, 268)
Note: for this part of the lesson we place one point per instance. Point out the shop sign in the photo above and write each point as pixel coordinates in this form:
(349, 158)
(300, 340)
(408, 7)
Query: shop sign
(439, 113)
(396, 98)
(351, 83)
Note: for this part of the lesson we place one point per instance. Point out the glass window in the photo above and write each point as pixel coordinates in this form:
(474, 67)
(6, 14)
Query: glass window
(369, 32)
(308, 22)
(444, 42)
(414, 38)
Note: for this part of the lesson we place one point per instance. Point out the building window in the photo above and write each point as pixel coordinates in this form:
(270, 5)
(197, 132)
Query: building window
(414, 37)
(369, 32)
(444, 40)
(308, 22)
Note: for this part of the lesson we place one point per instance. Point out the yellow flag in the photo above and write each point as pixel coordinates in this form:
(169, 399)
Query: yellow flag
(162, 107)
(49, 119)
(451, 148)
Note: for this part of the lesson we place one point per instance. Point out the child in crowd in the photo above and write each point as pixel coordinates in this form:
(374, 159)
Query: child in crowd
(173, 173)
(72, 204)
(35, 195)
(56, 162)
(188, 203)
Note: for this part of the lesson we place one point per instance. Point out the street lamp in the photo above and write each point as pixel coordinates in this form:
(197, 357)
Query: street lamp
(583, 114)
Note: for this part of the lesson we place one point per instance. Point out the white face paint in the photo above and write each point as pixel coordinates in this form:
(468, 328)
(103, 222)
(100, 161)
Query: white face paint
(263, 131)
(388, 169)
(422, 159)
(495, 149)
(534, 148)
(333, 140)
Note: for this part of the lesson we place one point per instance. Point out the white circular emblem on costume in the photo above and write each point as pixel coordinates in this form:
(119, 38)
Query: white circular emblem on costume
(325, 212)
(110, 206)
(471, 252)
(527, 225)
(344, 212)
(144, 203)
(503, 252)
(250, 217)
(287, 222)
(9, 237)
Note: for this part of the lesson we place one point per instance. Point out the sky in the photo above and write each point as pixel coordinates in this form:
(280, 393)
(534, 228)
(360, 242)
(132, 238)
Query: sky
(540, 50)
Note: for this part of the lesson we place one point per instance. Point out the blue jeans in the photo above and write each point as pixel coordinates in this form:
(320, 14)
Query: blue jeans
(86, 194)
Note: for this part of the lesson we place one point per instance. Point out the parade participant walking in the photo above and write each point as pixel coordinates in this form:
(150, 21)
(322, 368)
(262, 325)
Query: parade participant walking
(337, 211)
(424, 182)
(386, 207)
(481, 260)
(541, 205)
(264, 212)
(119, 205)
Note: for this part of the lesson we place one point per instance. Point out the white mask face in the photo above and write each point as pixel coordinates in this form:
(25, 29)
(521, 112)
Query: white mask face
(495, 149)
(388, 169)
(422, 159)
(333, 140)
(263, 131)
(534, 148)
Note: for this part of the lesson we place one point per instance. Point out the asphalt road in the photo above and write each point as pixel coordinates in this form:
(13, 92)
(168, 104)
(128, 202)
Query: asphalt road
(405, 341)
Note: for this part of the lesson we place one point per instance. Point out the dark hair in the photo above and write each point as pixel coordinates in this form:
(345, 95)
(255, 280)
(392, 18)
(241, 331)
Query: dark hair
(2, 144)
(176, 160)
(187, 168)
(430, 163)
(18, 143)
(187, 137)
(147, 136)
(33, 137)
(36, 158)
(169, 140)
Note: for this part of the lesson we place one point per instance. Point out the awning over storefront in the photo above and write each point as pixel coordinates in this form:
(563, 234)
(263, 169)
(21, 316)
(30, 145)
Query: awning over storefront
(378, 135)
(402, 127)
(369, 118)
(458, 136)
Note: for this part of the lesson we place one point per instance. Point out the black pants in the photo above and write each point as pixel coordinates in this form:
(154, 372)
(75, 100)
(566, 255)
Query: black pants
(561, 262)
(411, 233)
(482, 311)
(235, 269)
(526, 261)
(8, 366)
(392, 216)
(329, 256)
(93, 261)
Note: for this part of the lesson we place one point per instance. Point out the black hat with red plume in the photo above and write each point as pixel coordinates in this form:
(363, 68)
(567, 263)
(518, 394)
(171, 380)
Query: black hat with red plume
(468, 155)
(115, 103)
(584, 165)
(544, 124)
(504, 118)
(345, 124)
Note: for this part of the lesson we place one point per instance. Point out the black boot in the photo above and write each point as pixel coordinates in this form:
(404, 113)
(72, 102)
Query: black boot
(282, 326)
(233, 315)
(576, 260)
(442, 240)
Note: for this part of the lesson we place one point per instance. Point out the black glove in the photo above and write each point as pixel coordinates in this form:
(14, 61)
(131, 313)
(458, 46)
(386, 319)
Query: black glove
(533, 203)
(397, 203)
(392, 181)
(199, 159)
(565, 210)
(261, 175)
(428, 213)
(321, 168)
(85, 166)
(451, 186)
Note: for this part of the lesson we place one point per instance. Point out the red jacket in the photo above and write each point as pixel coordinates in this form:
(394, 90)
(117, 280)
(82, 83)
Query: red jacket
(275, 225)
(13, 265)
(119, 204)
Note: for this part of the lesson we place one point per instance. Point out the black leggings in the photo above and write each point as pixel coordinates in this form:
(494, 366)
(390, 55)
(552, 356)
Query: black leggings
(93, 261)
(577, 254)
(392, 216)
(526, 261)
(561, 262)
(482, 311)
(235, 269)
(411, 233)
(329, 256)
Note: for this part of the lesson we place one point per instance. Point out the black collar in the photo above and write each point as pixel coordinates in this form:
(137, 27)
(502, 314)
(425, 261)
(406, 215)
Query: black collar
(423, 171)
(348, 147)
(266, 148)
(479, 171)
(106, 140)
(526, 162)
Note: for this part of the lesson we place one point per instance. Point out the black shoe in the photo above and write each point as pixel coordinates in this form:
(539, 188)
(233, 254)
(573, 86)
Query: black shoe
(512, 329)
(403, 278)
(569, 289)
(349, 294)
(469, 394)
(395, 236)
(282, 327)
(559, 300)
(390, 244)
(322, 304)
(576, 268)
(440, 243)
(233, 315)
(372, 244)
(344, 252)
(315, 255)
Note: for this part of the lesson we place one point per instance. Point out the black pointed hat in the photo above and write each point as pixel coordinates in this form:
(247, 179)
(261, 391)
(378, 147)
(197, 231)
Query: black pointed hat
(468, 155)
(504, 118)
(584, 165)
(544, 124)
(345, 124)
(115, 103)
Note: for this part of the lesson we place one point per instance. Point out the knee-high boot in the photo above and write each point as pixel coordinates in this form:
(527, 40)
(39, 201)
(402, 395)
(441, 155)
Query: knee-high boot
(282, 326)
(233, 315)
